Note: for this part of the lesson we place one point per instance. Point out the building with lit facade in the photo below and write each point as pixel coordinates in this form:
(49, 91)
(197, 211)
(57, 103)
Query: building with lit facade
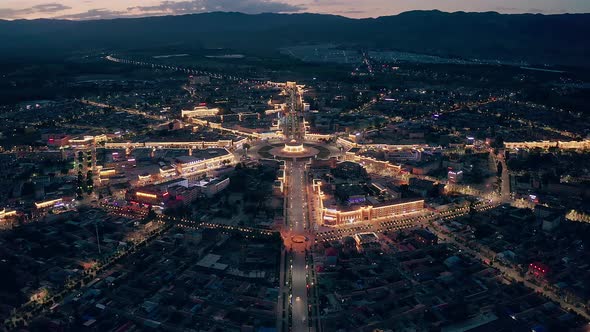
(177, 191)
(167, 171)
(107, 172)
(349, 196)
(47, 203)
(5, 214)
(199, 111)
(222, 143)
(366, 241)
(293, 146)
(566, 145)
(455, 176)
(87, 141)
(372, 162)
(148, 195)
(202, 161)
(335, 216)
(154, 194)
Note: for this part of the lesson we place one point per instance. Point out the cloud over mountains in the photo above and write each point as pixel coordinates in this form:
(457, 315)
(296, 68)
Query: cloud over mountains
(165, 7)
(47, 8)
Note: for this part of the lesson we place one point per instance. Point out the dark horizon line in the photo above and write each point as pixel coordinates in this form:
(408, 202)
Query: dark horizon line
(291, 14)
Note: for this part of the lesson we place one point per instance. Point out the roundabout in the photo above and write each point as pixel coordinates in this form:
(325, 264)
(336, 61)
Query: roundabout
(293, 146)
(298, 239)
(291, 150)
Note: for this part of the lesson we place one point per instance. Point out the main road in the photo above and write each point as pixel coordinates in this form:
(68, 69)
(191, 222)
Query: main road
(298, 227)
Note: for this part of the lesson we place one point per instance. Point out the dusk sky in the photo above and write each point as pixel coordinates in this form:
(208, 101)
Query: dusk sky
(101, 9)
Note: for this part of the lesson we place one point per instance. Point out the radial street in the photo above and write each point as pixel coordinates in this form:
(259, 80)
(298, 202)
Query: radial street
(298, 226)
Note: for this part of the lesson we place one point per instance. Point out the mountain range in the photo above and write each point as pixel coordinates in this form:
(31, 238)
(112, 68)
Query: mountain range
(538, 39)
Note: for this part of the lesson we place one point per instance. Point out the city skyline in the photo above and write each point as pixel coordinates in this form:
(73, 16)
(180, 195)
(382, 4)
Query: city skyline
(247, 165)
(91, 9)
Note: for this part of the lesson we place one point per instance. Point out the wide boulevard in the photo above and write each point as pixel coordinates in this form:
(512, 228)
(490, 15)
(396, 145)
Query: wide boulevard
(298, 227)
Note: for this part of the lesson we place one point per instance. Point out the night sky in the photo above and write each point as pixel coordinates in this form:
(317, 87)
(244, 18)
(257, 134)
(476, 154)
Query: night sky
(103, 9)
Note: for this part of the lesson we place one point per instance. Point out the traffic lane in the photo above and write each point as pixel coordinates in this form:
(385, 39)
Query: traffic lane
(299, 268)
(300, 303)
(297, 212)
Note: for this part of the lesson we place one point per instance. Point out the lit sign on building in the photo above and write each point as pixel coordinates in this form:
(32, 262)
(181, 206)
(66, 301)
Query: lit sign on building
(146, 195)
(108, 172)
(46, 204)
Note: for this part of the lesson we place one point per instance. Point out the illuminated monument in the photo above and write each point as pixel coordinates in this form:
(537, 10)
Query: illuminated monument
(294, 146)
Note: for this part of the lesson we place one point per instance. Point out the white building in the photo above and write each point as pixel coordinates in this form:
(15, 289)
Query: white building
(199, 111)
(214, 186)
(202, 161)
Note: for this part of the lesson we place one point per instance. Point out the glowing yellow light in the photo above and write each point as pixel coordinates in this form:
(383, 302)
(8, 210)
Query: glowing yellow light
(140, 194)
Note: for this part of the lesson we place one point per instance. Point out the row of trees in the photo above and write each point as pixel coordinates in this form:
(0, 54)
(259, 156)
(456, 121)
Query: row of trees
(85, 182)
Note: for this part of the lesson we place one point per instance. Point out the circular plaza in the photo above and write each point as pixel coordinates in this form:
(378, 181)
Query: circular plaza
(291, 149)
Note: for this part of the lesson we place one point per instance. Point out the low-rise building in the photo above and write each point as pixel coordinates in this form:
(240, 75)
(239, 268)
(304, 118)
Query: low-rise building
(370, 213)
(455, 176)
(6, 213)
(202, 161)
(167, 171)
(212, 187)
(199, 111)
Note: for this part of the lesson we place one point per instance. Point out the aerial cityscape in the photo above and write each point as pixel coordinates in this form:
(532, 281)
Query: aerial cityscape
(275, 166)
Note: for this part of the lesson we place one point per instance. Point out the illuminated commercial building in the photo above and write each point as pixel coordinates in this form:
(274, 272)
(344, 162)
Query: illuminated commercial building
(223, 143)
(47, 204)
(372, 162)
(365, 241)
(199, 111)
(385, 211)
(145, 177)
(202, 161)
(566, 145)
(107, 172)
(5, 214)
(87, 141)
(150, 195)
(155, 194)
(317, 137)
(167, 171)
(361, 205)
(455, 176)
